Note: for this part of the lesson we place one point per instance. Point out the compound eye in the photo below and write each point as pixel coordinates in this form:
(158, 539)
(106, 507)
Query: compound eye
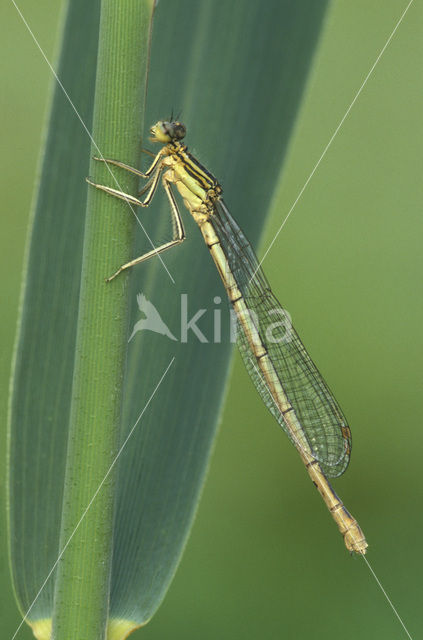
(179, 131)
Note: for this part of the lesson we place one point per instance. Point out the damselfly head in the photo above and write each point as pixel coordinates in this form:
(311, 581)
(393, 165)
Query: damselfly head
(164, 131)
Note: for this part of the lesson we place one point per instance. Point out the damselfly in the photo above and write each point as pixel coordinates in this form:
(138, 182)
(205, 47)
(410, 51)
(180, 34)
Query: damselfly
(276, 359)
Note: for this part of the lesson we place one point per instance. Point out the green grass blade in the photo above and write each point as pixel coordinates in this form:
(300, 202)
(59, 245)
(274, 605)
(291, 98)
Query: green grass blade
(42, 379)
(45, 354)
(81, 605)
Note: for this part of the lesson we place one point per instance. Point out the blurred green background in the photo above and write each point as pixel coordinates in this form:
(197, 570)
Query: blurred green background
(264, 559)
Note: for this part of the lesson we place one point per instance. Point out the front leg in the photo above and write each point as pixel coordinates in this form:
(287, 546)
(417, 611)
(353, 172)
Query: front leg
(117, 163)
(150, 187)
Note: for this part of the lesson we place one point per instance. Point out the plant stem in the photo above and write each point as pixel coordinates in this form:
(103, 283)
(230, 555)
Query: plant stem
(82, 583)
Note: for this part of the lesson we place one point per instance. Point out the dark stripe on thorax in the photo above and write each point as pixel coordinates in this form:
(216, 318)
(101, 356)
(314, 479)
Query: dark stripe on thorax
(195, 169)
(203, 180)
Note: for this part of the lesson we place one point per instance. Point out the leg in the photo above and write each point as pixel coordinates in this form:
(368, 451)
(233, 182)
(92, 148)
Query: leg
(127, 167)
(122, 165)
(153, 155)
(149, 153)
(147, 186)
(151, 186)
(178, 232)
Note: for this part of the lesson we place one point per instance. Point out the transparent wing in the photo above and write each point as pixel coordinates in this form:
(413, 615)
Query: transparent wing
(320, 416)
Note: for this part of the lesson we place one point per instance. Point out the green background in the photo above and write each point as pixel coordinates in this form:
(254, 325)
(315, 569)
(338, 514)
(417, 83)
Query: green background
(264, 559)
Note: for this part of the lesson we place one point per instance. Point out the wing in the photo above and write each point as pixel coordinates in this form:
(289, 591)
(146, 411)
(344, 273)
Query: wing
(320, 416)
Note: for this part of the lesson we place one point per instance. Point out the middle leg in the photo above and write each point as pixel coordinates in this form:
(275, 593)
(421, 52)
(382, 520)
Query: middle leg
(177, 229)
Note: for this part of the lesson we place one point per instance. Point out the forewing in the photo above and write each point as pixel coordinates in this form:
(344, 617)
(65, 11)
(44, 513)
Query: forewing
(322, 422)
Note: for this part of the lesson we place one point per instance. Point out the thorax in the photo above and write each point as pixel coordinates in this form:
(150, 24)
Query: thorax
(197, 186)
